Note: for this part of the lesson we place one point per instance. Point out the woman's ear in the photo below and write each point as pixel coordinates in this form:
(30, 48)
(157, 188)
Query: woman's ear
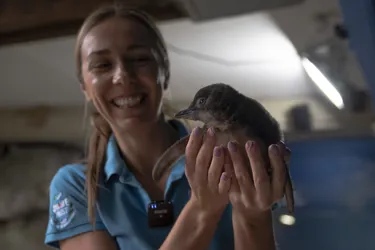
(83, 89)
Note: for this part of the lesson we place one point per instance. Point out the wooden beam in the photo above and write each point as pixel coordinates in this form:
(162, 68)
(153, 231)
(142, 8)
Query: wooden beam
(25, 20)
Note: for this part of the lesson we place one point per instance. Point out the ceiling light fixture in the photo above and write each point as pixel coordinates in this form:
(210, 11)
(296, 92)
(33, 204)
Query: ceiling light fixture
(323, 83)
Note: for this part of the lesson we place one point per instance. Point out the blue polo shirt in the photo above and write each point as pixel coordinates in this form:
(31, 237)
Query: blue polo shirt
(122, 205)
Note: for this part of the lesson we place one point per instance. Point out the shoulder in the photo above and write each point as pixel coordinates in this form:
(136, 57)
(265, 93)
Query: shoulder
(68, 176)
(71, 170)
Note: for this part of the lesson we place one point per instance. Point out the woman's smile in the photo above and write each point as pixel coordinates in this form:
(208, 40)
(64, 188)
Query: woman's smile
(125, 102)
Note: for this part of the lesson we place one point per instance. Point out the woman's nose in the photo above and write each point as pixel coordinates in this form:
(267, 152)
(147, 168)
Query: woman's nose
(120, 76)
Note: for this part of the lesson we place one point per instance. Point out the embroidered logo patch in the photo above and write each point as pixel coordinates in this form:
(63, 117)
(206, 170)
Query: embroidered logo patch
(62, 212)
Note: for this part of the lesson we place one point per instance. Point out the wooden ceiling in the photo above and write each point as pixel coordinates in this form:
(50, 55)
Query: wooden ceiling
(25, 20)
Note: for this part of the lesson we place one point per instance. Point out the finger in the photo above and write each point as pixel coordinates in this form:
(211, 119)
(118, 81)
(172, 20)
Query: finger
(285, 151)
(216, 167)
(192, 149)
(224, 183)
(260, 176)
(239, 165)
(204, 156)
(289, 194)
(278, 172)
(228, 168)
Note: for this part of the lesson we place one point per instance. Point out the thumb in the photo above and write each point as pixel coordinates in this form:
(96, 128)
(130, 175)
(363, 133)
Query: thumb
(224, 183)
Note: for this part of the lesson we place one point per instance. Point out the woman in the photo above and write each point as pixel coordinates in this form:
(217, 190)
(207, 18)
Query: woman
(123, 67)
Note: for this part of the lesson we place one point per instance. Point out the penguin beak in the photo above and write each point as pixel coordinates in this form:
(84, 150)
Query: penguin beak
(189, 114)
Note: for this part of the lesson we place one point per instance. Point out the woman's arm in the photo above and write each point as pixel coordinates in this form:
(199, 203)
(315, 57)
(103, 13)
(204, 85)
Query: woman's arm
(96, 240)
(253, 236)
(192, 230)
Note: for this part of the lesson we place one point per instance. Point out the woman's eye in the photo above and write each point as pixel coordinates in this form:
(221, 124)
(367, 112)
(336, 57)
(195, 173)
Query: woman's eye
(100, 65)
(142, 60)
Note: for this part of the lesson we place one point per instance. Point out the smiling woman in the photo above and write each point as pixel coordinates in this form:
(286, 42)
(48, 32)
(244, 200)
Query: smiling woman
(123, 68)
(109, 68)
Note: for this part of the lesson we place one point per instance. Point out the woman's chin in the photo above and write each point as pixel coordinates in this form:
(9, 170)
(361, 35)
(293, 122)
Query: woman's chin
(132, 123)
(132, 118)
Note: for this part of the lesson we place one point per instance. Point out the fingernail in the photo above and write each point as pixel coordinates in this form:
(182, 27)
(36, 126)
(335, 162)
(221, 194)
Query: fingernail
(196, 131)
(250, 145)
(211, 131)
(275, 149)
(232, 146)
(217, 151)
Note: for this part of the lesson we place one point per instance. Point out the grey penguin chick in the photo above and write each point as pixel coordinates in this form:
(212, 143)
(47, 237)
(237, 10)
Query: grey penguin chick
(234, 117)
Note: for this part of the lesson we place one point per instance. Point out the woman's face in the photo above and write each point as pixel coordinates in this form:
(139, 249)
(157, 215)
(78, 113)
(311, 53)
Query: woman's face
(120, 72)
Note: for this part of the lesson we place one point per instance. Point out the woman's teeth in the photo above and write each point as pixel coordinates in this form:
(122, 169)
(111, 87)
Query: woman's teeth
(128, 101)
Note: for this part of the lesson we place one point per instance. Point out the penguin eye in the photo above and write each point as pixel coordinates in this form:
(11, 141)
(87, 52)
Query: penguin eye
(201, 101)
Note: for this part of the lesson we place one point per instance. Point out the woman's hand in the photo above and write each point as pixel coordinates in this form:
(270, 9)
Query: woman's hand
(204, 171)
(254, 192)
(209, 194)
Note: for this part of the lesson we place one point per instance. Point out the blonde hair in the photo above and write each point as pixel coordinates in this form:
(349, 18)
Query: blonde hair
(101, 129)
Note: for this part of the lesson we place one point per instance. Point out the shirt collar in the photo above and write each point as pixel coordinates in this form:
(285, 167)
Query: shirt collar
(115, 165)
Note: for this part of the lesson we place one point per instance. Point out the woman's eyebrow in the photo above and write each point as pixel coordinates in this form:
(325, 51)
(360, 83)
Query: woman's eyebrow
(98, 52)
(134, 47)
(138, 47)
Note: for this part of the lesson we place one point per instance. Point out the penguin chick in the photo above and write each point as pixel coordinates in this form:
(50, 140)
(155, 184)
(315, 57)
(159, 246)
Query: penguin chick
(235, 117)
